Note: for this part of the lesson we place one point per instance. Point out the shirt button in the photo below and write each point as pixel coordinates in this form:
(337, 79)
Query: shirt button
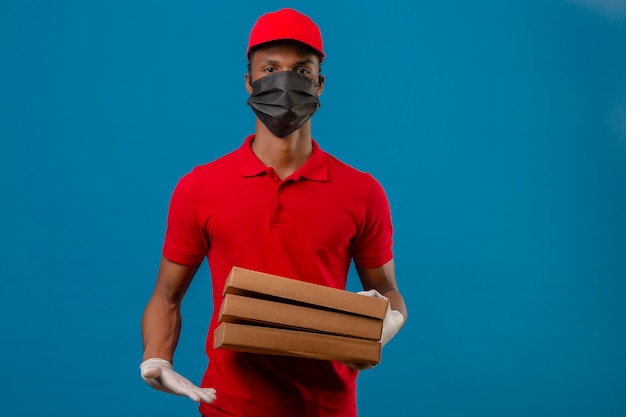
(280, 209)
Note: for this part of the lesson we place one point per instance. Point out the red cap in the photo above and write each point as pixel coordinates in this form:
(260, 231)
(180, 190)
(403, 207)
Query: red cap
(283, 25)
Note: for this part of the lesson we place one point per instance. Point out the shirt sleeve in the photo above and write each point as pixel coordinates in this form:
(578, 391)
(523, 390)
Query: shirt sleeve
(373, 244)
(185, 240)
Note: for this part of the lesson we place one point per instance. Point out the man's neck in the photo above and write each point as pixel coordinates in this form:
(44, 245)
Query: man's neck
(286, 155)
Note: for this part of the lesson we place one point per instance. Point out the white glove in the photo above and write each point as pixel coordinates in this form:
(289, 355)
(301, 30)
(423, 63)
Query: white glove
(393, 321)
(159, 374)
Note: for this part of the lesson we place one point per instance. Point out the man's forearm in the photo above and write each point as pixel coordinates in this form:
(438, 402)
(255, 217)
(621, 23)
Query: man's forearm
(160, 328)
(396, 301)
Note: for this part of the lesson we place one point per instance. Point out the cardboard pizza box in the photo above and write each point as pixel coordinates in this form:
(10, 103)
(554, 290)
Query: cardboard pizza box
(286, 342)
(261, 285)
(249, 310)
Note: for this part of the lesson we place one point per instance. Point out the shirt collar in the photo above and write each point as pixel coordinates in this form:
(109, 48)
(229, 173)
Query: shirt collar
(315, 168)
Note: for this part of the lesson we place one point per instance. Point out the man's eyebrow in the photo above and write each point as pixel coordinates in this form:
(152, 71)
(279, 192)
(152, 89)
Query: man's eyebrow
(270, 61)
(305, 62)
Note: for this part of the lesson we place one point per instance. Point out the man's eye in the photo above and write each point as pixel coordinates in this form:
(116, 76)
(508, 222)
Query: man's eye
(269, 69)
(303, 71)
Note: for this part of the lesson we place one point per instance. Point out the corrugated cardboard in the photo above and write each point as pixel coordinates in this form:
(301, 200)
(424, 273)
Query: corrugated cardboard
(240, 309)
(260, 285)
(256, 339)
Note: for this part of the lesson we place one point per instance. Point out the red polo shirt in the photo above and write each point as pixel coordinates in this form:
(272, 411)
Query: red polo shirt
(309, 226)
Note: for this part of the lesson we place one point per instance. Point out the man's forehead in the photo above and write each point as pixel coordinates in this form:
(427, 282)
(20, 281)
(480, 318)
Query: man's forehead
(276, 49)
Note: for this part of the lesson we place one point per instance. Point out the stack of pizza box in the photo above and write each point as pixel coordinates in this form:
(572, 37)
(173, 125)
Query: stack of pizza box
(270, 314)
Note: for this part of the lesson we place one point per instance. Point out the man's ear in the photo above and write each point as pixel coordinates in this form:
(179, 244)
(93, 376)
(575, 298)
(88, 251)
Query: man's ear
(247, 80)
(320, 87)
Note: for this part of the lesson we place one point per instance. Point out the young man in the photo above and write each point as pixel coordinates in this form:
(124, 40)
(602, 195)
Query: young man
(280, 205)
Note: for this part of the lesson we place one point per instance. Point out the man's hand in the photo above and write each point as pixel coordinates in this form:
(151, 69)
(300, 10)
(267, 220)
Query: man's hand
(159, 374)
(392, 323)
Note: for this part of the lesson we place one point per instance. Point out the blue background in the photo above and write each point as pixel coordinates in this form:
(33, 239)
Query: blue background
(497, 128)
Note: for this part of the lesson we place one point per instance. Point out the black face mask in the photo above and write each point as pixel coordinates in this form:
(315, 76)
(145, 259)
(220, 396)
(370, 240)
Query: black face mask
(284, 101)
